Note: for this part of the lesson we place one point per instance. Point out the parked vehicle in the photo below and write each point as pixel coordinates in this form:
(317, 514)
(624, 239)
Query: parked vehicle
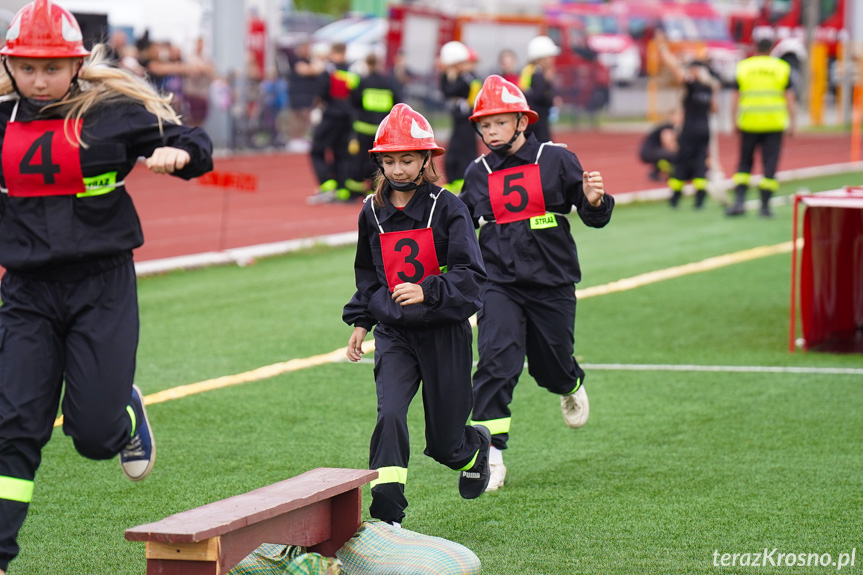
(604, 32)
(419, 32)
(361, 35)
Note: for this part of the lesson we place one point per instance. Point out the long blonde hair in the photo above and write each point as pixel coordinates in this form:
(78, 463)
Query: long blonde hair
(430, 174)
(99, 81)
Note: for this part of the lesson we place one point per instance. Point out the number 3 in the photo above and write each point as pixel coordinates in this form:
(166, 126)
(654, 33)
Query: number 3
(413, 251)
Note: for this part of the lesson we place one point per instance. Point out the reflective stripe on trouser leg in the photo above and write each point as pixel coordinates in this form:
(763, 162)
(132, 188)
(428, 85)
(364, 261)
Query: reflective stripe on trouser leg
(699, 183)
(495, 426)
(15, 489)
(391, 475)
(576, 388)
(768, 184)
(675, 184)
(740, 178)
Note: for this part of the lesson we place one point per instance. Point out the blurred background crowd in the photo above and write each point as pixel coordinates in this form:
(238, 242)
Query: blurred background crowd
(607, 71)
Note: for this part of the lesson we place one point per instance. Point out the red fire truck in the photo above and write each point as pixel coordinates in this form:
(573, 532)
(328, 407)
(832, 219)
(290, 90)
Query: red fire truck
(417, 34)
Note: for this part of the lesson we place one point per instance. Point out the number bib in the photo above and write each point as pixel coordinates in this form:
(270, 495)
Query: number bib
(516, 194)
(38, 159)
(409, 256)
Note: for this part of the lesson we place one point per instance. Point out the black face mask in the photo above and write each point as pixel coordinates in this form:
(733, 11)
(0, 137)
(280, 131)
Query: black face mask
(506, 146)
(404, 186)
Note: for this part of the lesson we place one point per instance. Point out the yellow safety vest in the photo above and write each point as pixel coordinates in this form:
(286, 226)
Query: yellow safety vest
(762, 81)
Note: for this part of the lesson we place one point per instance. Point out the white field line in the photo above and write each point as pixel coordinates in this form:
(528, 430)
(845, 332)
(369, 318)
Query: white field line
(708, 368)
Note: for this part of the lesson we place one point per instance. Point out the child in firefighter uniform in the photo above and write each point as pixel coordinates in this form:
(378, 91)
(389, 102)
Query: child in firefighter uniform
(419, 275)
(519, 195)
(71, 130)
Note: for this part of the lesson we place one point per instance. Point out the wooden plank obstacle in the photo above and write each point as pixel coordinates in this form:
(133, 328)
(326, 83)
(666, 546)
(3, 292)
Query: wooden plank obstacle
(319, 509)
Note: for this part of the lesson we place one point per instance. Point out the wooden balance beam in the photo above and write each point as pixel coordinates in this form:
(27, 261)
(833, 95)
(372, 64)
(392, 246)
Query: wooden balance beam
(319, 509)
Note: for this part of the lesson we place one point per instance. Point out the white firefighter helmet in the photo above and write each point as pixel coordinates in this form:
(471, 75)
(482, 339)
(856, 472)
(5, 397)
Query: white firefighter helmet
(453, 53)
(541, 47)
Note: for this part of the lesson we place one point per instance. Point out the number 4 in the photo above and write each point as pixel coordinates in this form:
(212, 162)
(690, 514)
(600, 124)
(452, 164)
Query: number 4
(46, 168)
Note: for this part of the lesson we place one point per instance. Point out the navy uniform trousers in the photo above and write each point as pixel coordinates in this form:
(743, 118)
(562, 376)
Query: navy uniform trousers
(441, 357)
(517, 322)
(79, 324)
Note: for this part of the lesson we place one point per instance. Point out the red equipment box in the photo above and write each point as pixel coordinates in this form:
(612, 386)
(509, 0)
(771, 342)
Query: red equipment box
(831, 271)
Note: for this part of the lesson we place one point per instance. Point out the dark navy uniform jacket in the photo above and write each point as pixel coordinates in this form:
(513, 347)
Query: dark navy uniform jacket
(36, 232)
(516, 254)
(450, 297)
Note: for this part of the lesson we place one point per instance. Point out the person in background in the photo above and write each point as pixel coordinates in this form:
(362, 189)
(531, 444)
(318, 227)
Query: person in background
(420, 300)
(519, 196)
(329, 154)
(507, 63)
(372, 99)
(659, 147)
(460, 85)
(303, 79)
(765, 107)
(72, 128)
(199, 73)
(536, 84)
(699, 101)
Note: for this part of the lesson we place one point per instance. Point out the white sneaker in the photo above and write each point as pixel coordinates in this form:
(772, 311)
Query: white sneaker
(498, 474)
(575, 408)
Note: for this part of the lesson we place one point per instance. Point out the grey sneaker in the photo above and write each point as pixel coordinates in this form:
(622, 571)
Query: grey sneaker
(498, 475)
(575, 408)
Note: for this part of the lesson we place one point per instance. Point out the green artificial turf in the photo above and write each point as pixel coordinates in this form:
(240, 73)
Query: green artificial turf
(672, 466)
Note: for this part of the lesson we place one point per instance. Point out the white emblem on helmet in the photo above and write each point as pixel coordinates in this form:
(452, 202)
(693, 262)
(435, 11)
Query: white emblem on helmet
(417, 132)
(70, 32)
(510, 98)
(14, 30)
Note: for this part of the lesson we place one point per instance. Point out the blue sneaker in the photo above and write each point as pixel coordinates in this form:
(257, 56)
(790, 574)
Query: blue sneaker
(139, 455)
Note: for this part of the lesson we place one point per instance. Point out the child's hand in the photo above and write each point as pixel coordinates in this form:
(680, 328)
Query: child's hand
(355, 344)
(407, 293)
(593, 188)
(167, 160)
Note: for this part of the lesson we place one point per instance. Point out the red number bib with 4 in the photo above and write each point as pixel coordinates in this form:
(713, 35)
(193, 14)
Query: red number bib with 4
(516, 194)
(409, 256)
(38, 159)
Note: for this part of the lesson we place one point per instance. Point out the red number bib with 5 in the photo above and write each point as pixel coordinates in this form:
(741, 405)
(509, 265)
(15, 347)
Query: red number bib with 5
(516, 194)
(38, 159)
(409, 256)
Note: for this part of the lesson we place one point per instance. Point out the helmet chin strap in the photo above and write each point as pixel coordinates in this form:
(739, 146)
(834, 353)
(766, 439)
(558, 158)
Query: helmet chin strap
(405, 186)
(505, 147)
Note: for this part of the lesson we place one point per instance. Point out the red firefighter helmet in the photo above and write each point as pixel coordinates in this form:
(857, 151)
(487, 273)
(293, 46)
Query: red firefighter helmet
(405, 130)
(42, 29)
(498, 96)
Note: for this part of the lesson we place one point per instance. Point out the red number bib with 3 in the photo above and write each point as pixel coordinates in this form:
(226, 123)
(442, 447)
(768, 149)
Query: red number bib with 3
(409, 256)
(516, 194)
(38, 159)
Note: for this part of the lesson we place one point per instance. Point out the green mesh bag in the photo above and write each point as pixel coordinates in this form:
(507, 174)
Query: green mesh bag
(271, 559)
(380, 549)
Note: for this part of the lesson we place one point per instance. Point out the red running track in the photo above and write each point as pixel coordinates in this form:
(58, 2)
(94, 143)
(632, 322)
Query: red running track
(181, 218)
